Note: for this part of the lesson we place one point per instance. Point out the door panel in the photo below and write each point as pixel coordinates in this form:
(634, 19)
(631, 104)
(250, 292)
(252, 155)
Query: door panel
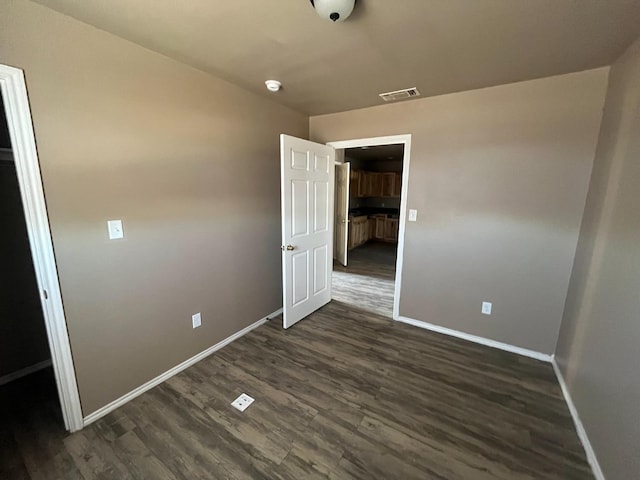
(321, 280)
(299, 160)
(300, 280)
(343, 183)
(322, 164)
(307, 188)
(321, 202)
(299, 208)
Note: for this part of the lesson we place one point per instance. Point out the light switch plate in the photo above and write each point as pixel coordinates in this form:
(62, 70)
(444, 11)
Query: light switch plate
(413, 215)
(115, 229)
(196, 320)
(486, 308)
(242, 402)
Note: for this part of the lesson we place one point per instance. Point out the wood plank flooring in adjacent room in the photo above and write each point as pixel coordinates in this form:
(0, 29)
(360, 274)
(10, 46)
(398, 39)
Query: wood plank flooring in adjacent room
(346, 393)
(368, 282)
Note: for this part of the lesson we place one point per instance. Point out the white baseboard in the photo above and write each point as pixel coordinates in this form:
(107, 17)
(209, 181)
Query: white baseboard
(476, 339)
(582, 433)
(101, 412)
(23, 372)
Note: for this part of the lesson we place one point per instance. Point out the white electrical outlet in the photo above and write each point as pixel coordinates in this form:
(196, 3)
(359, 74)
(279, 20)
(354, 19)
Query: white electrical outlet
(242, 402)
(486, 308)
(413, 215)
(196, 320)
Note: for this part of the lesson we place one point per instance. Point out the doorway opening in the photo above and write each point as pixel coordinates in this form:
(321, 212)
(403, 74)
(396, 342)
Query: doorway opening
(370, 204)
(27, 382)
(313, 221)
(35, 298)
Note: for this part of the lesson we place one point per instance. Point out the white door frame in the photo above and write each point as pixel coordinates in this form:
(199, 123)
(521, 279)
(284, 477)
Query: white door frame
(374, 142)
(16, 103)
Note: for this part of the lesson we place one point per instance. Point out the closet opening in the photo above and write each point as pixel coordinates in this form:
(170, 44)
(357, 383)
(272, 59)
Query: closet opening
(33, 326)
(27, 381)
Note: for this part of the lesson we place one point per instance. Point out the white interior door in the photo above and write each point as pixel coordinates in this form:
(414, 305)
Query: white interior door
(307, 183)
(343, 174)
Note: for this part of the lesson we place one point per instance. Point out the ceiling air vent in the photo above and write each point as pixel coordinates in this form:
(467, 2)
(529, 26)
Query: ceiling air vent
(400, 94)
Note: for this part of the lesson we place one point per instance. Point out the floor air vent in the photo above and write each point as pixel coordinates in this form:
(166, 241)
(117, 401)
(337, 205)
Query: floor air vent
(400, 94)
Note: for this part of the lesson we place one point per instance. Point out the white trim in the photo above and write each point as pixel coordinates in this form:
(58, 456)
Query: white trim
(582, 433)
(16, 103)
(101, 412)
(23, 372)
(476, 339)
(376, 141)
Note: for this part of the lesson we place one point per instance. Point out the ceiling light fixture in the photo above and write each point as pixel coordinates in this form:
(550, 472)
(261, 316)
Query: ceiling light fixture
(273, 85)
(334, 10)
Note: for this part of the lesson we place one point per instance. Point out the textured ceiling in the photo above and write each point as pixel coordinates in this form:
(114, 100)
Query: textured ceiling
(439, 46)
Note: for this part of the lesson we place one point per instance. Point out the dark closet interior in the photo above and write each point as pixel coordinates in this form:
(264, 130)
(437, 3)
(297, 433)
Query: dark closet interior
(23, 338)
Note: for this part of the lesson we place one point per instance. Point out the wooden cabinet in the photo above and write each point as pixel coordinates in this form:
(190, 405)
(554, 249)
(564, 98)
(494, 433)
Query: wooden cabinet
(363, 184)
(389, 184)
(375, 184)
(391, 230)
(386, 228)
(376, 227)
(363, 231)
(354, 184)
(379, 231)
(397, 184)
(358, 231)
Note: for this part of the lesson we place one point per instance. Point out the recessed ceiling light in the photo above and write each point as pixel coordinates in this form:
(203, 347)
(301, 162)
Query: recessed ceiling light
(273, 85)
(364, 148)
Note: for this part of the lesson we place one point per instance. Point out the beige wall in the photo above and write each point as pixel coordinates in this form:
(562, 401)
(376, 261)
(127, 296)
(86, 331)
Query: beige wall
(499, 177)
(189, 163)
(599, 345)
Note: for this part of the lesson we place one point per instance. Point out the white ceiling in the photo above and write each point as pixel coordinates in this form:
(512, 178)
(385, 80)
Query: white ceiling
(439, 46)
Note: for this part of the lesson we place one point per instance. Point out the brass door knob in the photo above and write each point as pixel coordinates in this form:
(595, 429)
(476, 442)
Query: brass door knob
(288, 248)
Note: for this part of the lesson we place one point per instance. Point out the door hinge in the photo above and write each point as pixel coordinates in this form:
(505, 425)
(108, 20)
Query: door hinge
(46, 294)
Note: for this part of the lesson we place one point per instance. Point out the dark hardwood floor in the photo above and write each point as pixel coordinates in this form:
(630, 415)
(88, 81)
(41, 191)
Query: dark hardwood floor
(346, 393)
